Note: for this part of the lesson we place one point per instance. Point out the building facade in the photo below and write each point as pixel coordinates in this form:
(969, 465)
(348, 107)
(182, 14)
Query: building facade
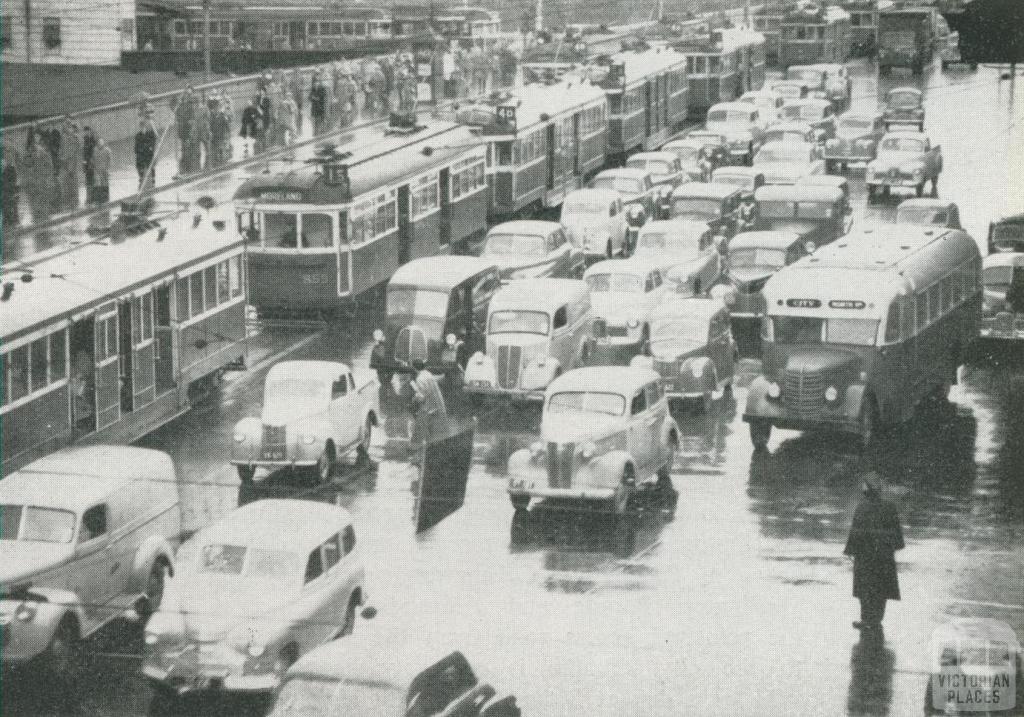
(61, 32)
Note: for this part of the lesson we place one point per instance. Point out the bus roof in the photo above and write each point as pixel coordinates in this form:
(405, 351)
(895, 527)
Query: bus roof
(439, 272)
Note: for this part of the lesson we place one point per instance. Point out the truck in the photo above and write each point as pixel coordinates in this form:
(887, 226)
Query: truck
(906, 38)
(905, 159)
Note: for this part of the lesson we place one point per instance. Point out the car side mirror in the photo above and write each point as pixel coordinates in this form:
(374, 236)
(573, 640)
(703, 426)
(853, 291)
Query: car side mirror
(369, 612)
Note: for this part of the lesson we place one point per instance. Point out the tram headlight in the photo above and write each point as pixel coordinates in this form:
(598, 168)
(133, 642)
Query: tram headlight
(831, 394)
(773, 390)
(378, 336)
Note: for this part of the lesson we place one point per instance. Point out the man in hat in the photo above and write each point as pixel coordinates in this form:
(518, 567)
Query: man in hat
(431, 411)
(875, 536)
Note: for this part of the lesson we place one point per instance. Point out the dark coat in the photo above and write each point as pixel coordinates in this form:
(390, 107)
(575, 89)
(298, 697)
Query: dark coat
(251, 121)
(875, 536)
(145, 148)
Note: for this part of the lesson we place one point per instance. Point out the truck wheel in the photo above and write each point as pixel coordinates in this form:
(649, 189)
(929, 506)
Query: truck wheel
(325, 465)
(760, 433)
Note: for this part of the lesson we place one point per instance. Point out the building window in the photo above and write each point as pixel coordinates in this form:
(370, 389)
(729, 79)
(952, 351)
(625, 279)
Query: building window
(51, 33)
(5, 28)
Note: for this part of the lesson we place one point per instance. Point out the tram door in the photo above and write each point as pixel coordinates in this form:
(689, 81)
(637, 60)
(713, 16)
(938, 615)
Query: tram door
(297, 35)
(143, 350)
(552, 159)
(405, 227)
(163, 340)
(124, 356)
(445, 238)
(83, 375)
(108, 372)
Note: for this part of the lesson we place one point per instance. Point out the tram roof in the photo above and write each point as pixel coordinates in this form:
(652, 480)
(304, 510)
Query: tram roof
(641, 64)
(374, 160)
(92, 274)
(539, 102)
(439, 272)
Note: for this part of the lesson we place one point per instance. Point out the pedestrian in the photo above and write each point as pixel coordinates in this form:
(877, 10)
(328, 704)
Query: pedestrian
(102, 158)
(88, 146)
(430, 409)
(220, 136)
(252, 124)
(145, 154)
(202, 130)
(266, 119)
(184, 113)
(747, 211)
(288, 119)
(875, 536)
(35, 172)
(10, 193)
(318, 104)
(346, 100)
(296, 87)
(69, 165)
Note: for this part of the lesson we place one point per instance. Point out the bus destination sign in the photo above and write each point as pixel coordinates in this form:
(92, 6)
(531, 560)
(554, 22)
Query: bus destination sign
(846, 304)
(803, 303)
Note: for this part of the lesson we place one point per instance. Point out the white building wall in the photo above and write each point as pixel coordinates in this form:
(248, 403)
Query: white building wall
(92, 32)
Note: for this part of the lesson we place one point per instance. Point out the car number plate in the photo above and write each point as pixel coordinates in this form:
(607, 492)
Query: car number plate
(274, 455)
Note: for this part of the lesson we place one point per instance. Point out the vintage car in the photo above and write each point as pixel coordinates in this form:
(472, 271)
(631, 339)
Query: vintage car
(387, 673)
(819, 215)
(811, 75)
(768, 102)
(938, 212)
(836, 85)
(623, 293)
(856, 140)
(786, 162)
(685, 250)
(790, 131)
(314, 413)
(741, 124)
(436, 312)
(536, 329)
(818, 113)
(976, 666)
(753, 258)
(595, 222)
(605, 436)
(747, 179)
(999, 320)
(1006, 234)
(635, 186)
(86, 534)
(690, 151)
(252, 593)
(828, 180)
(666, 172)
(905, 159)
(716, 145)
(716, 204)
(530, 249)
(903, 106)
(791, 90)
(692, 348)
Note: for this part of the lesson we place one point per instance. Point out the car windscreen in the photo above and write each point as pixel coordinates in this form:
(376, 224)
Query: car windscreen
(854, 125)
(286, 391)
(226, 559)
(515, 245)
(626, 283)
(626, 185)
(922, 215)
(803, 112)
(757, 258)
(679, 245)
(783, 152)
(519, 322)
(581, 207)
(654, 166)
(812, 330)
(728, 117)
(902, 144)
(703, 207)
(679, 329)
(611, 404)
(35, 524)
(811, 77)
(1008, 237)
(904, 100)
(417, 302)
(684, 152)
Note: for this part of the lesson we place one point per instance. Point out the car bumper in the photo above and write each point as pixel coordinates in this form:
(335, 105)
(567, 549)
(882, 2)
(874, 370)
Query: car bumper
(487, 390)
(888, 181)
(193, 670)
(525, 487)
(848, 155)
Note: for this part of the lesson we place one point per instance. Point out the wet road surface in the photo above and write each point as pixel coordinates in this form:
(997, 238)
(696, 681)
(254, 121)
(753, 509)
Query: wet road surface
(741, 604)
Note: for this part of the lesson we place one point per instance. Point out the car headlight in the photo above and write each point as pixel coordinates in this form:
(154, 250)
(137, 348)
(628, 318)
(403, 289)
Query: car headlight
(240, 437)
(633, 323)
(256, 649)
(831, 394)
(588, 450)
(450, 339)
(773, 390)
(697, 369)
(25, 612)
(378, 336)
(151, 639)
(309, 440)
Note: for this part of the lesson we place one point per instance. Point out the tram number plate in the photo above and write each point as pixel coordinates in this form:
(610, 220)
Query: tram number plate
(314, 279)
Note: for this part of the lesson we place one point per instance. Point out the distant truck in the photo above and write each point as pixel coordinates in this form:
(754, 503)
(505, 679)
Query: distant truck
(906, 38)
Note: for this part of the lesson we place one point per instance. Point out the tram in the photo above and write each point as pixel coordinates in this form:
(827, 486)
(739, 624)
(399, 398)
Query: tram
(321, 236)
(721, 66)
(812, 34)
(864, 24)
(543, 141)
(768, 21)
(93, 354)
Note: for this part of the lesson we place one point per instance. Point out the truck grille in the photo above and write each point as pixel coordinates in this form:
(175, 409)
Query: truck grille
(410, 344)
(510, 361)
(803, 393)
(560, 464)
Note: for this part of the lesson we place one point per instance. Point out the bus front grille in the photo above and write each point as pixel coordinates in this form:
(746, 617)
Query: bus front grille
(510, 361)
(560, 460)
(803, 392)
(410, 344)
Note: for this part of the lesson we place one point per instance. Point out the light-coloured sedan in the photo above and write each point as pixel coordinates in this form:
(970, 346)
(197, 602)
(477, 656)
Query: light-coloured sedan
(685, 250)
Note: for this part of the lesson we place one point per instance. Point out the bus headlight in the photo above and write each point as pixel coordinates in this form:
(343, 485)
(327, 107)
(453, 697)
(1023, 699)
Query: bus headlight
(831, 394)
(588, 450)
(773, 390)
(378, 336)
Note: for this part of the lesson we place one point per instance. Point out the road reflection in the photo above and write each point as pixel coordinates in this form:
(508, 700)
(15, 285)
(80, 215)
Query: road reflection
(872, 665)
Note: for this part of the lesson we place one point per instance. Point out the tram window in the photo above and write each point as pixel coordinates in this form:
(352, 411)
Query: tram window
(316, 231)
(110, 324)
(210, 286)
(136, 321)
(17, 369)
(348, 28)
(223, 284)
(58, 360)
(37, 361)
(181, 299)
(360, 28)
(196, 293)
(714, 64)
(280, 230)
(922, 310)
(235, 276)
(892, 323)
(504, 153)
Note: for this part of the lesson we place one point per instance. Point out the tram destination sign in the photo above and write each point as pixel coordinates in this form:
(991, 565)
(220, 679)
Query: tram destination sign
(506, 115)
(281, 195)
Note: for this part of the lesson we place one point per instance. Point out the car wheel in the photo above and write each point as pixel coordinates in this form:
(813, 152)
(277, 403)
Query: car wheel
(246, 473)
(325, 465)
(760, 433)
(621, 499)
(665, 472)
(62, 658)
(363, 451)
(919, 189)
(155, 585)
(349, 626)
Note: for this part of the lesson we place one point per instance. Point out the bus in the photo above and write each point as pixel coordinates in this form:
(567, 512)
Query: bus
(321, 236)
(812, 34)
(721, 66)
(89, 354)
(860, 332)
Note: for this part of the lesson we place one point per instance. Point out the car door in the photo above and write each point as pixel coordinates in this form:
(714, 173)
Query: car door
(319, 620)
(654, 421)
(720, 343)
(560, 255)
(91, 579)
(638, 439)
(344, 422)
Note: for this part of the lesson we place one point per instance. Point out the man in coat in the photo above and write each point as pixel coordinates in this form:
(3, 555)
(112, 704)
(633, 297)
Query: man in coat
(102, 160)
(431, 411)
(145, 151)
(875, 536)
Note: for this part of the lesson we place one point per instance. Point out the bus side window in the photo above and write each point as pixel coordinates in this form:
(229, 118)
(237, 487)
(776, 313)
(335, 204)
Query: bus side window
(892, 322)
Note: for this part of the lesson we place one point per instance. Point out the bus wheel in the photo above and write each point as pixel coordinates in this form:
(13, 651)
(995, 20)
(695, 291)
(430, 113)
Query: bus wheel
(760, 433)
(868, 423)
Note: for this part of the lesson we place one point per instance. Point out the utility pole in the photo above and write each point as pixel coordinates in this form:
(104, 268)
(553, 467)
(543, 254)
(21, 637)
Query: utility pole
(538, 18)
(206, 40)
(661, 9)
(28, 32)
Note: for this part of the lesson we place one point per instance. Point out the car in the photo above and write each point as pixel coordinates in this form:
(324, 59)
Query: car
(786, 162)
(666, 172)
(791, 90)
(820, 215)
(905, 159)
(811, 75)
(818, 113)
(904, 106)
(716, 145)
(938, 212)
(716, 204)
(856, 140)
(435, 311)
(742, 127)
(623, 292)
(685, 250)
(595, 222)
(1006, 234)
(828, 180)
(387, 673)
(635, 186)
(768, 102)
(314, 413)
(974, 661)
(536, 329)
(253, 592)
(530, 249)
(692, 348)
(752, 259)
(86, 533)
(748, 179)
(791, 131)
(1000, 320)
(836, 86)
(606, 437)
(689, 151)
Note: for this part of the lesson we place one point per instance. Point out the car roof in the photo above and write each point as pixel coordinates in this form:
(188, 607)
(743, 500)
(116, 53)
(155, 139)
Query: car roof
(684, 142)
(736, 169)
(809, 102)
(745, 106)
(823, 180)
(763, 92)
(705, 190)
(538, 293)
(320, 370)
(763, 240)
(969, 629)
(626, 172)
(98, 472)
(790, 81)
(665, 156)
(925, 203)
(910, 133)
(525, 226)
(626, 380)
(302, 524)
(1004, 258)
(681, 225)
(798, 192)
(439, 272)
(633, 265)
(701, 307)
(608, 195)
(860, 114)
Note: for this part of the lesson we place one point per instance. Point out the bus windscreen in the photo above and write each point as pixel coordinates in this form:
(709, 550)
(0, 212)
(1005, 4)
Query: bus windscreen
(813, 330)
